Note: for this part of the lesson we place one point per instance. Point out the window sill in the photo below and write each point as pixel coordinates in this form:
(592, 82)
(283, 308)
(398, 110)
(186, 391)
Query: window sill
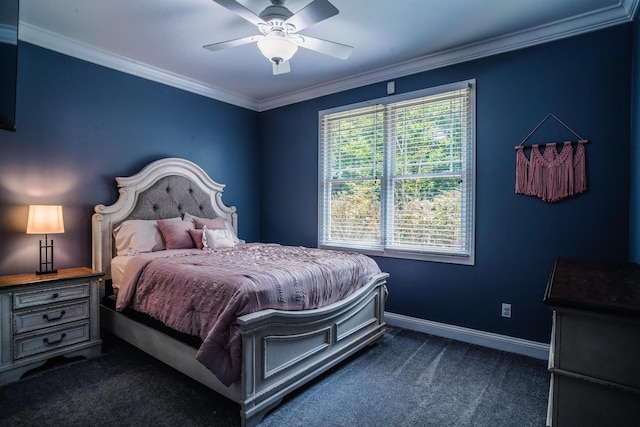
(418, 256)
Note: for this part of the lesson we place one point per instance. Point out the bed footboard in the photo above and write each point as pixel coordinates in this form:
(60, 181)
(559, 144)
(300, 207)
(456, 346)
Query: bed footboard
(284, 349)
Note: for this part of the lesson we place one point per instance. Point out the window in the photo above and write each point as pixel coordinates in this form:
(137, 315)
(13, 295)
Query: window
(397, 175)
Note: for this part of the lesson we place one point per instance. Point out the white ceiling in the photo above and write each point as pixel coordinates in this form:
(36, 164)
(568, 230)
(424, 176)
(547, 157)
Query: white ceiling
(162, 40)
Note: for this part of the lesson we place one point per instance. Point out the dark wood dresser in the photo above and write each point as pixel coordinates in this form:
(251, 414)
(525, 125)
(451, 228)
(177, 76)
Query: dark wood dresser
(595, 343)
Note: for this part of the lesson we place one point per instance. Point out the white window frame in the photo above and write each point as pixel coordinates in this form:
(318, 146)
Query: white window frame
(467, 256)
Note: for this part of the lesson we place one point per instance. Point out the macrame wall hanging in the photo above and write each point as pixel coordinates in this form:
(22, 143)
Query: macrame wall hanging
(556, 172)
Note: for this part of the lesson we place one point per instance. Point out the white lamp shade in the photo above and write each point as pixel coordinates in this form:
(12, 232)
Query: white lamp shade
(277, 48)
(45, 219)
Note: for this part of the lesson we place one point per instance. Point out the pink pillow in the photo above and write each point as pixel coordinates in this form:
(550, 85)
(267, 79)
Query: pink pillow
(176, 234)
(196, 235)
(211, 223)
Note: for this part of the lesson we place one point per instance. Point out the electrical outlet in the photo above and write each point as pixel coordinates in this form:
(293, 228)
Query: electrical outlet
(391, 88)
(506, 310)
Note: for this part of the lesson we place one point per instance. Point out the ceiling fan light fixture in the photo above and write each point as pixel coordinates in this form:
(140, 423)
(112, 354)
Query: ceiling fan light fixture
(279, 39)
(276, 48)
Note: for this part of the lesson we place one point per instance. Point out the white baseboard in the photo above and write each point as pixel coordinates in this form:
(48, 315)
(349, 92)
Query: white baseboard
(533, 349)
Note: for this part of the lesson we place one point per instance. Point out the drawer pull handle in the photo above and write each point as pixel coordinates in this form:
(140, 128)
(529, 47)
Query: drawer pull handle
(47, 342)
(51, 319)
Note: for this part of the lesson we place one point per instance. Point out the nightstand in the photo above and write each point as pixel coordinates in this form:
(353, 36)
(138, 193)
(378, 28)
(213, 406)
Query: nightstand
(49, 315)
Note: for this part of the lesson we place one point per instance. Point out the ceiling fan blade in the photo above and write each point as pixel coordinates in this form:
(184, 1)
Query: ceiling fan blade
(281, 68)
(337, 50)
(231, 43)
(240, 10)
(316, 11)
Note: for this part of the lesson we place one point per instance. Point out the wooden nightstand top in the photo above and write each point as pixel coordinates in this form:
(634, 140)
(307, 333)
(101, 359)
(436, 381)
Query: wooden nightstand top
(63, 274)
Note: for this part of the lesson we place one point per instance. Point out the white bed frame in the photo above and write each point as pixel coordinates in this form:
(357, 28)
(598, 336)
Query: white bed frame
(281, 350)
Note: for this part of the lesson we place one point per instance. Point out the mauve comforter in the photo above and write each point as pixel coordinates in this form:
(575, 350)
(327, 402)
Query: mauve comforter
(202, 292)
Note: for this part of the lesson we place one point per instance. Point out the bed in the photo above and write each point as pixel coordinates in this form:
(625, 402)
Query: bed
(279, 350)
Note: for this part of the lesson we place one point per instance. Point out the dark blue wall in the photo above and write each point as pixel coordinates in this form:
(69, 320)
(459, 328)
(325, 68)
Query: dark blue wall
(586, 82)
(80, 125)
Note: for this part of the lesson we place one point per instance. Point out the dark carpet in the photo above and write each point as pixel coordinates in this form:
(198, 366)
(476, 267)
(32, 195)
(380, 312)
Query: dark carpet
(411, 379)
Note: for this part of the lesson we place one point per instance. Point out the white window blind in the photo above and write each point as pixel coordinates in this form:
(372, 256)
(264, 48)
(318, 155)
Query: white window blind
(397, 177)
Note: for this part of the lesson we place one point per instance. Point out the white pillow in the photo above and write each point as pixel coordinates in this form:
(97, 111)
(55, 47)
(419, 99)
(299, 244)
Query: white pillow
(137, 236)
(217, 238)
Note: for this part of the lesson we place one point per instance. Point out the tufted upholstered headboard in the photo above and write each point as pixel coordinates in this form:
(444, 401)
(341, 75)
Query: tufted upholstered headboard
(170, 197)
(166, 188)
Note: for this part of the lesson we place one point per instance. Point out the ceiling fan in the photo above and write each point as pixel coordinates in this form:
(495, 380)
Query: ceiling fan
(279, 38)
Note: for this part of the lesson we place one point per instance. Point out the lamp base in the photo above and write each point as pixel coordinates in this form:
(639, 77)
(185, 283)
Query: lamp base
(46, 257)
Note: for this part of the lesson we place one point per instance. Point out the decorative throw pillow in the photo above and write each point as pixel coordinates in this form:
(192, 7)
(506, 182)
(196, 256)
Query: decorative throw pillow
(196, 235)
(176, 234)
(217, 238)
(137, 236)
(212, 223)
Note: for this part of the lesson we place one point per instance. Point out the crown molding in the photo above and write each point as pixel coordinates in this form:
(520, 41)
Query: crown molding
(623, 12)
(57, 43)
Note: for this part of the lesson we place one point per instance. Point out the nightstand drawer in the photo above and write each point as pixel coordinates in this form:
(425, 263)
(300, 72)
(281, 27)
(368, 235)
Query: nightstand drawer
(28, 345)
(50, 295)
(51, 316)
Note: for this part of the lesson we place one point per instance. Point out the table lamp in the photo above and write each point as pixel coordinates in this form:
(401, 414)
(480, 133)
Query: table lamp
(45, 219)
